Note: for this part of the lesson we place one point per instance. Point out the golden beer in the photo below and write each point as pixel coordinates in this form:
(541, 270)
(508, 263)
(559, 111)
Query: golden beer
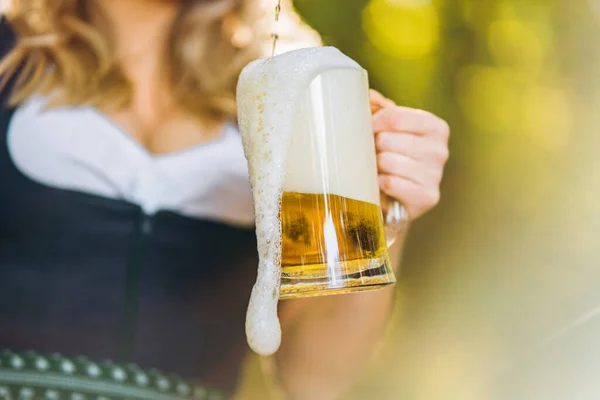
(331, 244)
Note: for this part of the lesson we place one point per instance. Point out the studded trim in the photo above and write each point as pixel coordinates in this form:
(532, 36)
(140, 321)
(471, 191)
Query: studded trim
(31, 376)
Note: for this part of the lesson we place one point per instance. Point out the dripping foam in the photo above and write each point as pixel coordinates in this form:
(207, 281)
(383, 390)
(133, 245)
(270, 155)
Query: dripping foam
(267, 96)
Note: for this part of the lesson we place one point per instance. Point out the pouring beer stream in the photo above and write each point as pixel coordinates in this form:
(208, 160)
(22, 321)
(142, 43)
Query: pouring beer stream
(275, 35)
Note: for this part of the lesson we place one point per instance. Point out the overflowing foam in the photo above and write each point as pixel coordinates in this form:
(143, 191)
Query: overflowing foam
(268, 94)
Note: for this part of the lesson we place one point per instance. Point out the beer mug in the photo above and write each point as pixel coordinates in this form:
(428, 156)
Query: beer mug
(334, 235)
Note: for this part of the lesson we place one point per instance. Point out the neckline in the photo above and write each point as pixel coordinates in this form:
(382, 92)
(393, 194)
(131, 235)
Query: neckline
(119, 204)
(120, 132)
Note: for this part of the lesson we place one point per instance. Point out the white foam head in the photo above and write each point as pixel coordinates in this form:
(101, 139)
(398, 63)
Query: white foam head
(333, 147)
(268, 94)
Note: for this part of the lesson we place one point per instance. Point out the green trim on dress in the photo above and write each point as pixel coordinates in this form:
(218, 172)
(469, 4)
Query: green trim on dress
(31, 376)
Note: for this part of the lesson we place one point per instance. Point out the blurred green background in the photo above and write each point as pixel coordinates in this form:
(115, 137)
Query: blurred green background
(510, 256)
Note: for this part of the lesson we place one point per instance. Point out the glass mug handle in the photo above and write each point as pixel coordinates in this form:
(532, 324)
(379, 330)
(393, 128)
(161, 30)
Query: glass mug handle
(395, 219)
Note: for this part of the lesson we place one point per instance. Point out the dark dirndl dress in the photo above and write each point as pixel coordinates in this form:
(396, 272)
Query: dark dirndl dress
(99, 300)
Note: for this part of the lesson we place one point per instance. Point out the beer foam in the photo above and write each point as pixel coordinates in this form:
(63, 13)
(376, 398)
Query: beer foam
(268, 93)
(332, 139)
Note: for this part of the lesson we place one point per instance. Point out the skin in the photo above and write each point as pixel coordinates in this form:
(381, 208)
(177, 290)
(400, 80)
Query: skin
(153, 119)
(325, 340)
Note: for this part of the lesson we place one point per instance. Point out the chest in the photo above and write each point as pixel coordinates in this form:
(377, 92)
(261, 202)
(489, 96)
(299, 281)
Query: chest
(80, 149)
(171, 132)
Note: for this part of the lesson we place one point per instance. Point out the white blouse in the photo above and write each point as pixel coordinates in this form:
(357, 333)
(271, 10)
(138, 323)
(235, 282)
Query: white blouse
(81, 149)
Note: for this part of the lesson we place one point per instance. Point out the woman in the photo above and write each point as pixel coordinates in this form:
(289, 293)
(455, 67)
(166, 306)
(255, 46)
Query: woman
(126, 214)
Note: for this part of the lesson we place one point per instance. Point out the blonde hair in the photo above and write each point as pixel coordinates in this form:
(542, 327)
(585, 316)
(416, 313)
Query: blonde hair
(59, 51)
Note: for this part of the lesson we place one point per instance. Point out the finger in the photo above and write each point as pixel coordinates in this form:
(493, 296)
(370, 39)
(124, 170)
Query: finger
(378, 101)
(418, 172)
(416, 199)
(413, 146)
(402, 119)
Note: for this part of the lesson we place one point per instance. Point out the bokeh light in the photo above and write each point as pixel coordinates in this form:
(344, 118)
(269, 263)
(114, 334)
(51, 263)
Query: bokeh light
(405, 29)
(548, 116)
(489, 98)
(514, 43)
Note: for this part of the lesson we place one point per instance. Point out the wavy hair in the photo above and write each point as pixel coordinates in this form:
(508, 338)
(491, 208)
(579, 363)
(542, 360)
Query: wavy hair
(60, 51)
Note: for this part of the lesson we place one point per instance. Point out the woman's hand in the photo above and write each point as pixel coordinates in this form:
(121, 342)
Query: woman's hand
(412, 149)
